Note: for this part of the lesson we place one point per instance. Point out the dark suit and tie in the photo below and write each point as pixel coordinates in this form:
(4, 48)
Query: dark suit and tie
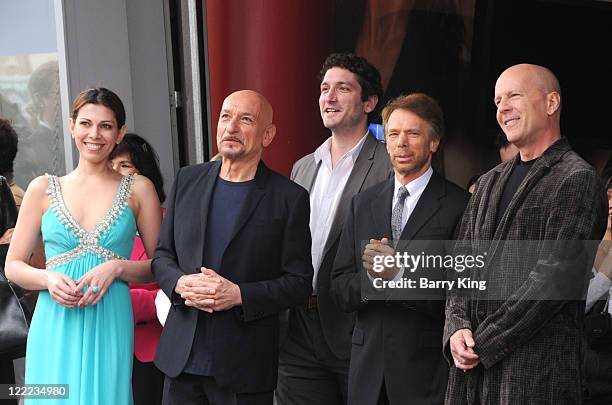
(396, 355)
(395, 340)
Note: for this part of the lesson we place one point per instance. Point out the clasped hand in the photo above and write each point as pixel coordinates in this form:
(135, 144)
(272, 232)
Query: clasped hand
(379, 248)
(462, 349)
(67, 292)
(208, 291)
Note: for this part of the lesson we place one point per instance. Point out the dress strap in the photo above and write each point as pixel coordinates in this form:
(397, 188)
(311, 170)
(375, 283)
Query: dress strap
(125, 189)
(119, 205)
(58, 206)
(52, 186)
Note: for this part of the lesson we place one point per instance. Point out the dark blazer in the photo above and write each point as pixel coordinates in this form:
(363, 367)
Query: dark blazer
(399, 340)
(268, 257)
(530, 343)
(371, 167)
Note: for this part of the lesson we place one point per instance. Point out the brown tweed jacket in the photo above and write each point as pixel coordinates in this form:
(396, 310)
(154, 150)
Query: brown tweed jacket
(529, 343)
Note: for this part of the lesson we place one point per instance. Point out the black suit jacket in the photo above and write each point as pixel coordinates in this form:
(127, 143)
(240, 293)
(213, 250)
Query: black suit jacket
(398, 339)
(268, 257)
(371, 167)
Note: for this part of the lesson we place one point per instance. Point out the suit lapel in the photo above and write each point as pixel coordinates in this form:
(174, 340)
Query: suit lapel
(207, 181)
(362, 166)
(309, 174)
(490, 203)
(380, 208)
(425, 208)
(540, 168)
(252, 200)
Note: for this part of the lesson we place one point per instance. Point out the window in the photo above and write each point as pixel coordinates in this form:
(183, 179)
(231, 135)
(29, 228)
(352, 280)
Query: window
(30, 87)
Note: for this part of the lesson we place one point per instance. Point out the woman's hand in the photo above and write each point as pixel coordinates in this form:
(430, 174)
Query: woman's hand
(5, 239)
(97, 281)
(62, 288)
(605, 265)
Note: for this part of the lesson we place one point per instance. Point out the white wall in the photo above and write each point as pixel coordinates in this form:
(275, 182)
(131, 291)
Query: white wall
(97, 48)
(150, 88)
(120, 44)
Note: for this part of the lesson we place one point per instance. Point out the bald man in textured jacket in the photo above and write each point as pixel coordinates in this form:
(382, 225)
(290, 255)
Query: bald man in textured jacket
(521, 342)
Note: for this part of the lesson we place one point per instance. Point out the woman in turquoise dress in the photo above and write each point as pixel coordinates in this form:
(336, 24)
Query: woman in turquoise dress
(82, 329)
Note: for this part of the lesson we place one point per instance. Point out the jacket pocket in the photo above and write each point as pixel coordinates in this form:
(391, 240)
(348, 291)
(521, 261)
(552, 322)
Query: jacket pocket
(358, 337)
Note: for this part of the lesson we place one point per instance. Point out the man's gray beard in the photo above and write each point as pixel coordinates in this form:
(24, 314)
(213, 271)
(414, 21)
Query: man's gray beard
(232, 155)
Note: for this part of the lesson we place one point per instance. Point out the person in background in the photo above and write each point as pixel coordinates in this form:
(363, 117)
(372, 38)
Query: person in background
(598, 357)
(7, 208)
(134, 155)
(471, 185)
(9, 141)
(8, 151)
(42, 146)
(507, 150)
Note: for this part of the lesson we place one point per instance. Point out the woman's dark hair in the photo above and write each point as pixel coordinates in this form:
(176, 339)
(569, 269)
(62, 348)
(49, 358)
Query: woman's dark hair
(144, 159)
(607, 173)
(8, 148)
(101, 96)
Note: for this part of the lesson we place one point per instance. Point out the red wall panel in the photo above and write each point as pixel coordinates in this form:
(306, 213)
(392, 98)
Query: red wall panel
(275, 47)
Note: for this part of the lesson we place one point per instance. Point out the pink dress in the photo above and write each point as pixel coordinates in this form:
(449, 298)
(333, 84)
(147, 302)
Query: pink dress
(147, 329)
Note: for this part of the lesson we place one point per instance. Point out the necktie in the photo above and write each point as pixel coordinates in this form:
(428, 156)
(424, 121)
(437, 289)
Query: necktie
(396, 215)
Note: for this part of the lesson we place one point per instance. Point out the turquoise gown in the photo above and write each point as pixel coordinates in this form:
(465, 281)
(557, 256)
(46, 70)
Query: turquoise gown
(90, 348)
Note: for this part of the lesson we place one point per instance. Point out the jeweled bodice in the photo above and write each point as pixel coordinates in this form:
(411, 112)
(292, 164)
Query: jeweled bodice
(65, 239)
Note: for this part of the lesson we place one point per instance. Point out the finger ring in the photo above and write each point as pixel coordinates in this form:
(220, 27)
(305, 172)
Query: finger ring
(94, 289)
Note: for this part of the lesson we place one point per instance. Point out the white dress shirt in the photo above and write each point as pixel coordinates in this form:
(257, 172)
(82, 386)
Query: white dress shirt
(598, 286)
(325, 195)
(415, 189)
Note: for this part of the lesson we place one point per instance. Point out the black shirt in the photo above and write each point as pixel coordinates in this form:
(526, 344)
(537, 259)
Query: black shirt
(227, 200)
(519, 172)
